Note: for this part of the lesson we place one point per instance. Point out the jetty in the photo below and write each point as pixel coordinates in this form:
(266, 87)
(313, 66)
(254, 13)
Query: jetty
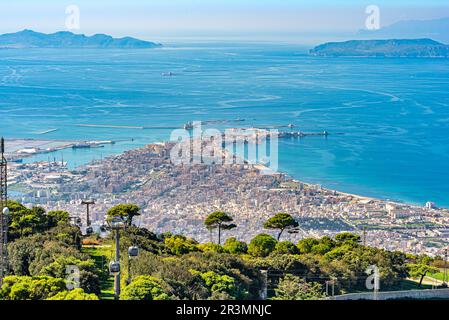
(46, 131)
(17, 149)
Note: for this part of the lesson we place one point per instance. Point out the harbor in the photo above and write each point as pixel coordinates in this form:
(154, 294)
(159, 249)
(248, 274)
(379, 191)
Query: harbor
(18, 149)
(243, 189)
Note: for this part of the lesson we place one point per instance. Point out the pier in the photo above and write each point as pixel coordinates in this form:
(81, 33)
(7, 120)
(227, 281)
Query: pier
(46, 131)
(190, 125)
(17, 149)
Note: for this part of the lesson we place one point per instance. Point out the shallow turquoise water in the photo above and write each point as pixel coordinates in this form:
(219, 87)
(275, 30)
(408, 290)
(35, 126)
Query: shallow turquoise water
(393, 113)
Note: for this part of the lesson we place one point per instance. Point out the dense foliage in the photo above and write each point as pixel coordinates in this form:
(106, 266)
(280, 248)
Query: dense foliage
(26, 221)
(76, 294)
(45, 246)
(262, 245)
(146, 288)
(43, 253)
(295, 288)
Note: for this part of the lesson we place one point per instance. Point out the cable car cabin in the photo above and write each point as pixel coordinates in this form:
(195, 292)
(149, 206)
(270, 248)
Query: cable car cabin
(133, 251)
(114, 267)
(89, 231)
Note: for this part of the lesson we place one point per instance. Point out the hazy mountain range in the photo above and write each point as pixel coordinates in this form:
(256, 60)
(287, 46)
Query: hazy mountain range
(412, 29)
(412, 48)
(64, 39)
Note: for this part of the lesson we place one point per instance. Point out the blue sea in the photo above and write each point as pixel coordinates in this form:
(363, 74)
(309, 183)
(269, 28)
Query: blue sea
(388, 118)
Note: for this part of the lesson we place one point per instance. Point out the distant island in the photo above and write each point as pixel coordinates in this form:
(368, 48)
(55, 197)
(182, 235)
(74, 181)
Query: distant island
(65, 39)
(412, 48)
(436, 29)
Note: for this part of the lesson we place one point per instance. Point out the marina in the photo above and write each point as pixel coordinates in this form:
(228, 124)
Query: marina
(17, 149)
(164, 188)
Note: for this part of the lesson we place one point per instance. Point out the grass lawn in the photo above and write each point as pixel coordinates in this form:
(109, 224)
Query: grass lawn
(439, 275)
(410, 284)
(102, 255)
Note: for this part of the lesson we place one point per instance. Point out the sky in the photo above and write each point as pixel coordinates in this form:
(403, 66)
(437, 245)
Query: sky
(246, 19)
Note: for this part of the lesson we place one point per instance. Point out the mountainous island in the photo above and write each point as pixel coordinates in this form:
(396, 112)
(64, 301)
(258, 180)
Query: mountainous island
(411, 29)
(65, 39)
(411, 48)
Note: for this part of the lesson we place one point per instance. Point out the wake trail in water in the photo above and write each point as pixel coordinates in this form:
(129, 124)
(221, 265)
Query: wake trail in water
(230, 104)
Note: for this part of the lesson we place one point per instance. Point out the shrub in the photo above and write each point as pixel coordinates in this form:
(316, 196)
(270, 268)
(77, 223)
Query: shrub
(77, 294)
(295, 288)
(306, 245)
(262, 245)
(222, 287)
(146, 288)
(286, 247)
(348, 238)
(179, 245)
(210, 247)
(31, 288)
(234, 246)
(89, 279)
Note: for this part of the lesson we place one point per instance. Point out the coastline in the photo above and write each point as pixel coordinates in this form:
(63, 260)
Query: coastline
(176, 198)
(60, 145)
(358, 196)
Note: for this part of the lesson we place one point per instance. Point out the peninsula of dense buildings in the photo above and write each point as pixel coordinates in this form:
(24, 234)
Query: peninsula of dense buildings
(177, 198)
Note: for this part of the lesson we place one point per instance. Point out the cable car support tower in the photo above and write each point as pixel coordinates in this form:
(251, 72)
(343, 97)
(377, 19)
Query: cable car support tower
(4, 214)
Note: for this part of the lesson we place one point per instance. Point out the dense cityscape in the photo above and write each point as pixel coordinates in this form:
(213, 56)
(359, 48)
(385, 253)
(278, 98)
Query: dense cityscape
(177, 198)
